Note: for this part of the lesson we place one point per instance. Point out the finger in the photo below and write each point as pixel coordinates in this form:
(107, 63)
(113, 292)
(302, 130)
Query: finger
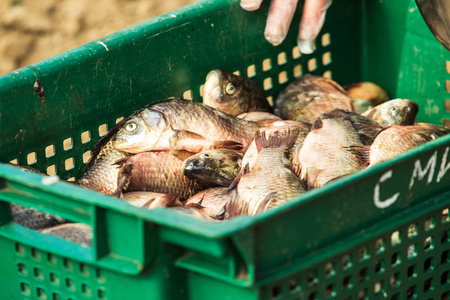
(278, 20)
(251, 4)
(313, 17)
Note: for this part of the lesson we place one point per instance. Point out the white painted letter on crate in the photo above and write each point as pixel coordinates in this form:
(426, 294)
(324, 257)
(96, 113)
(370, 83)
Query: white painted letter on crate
(376, 194)
(420, 174)
(444, 167)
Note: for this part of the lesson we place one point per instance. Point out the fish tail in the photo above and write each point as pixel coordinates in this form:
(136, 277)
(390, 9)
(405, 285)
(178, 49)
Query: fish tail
(278, 139)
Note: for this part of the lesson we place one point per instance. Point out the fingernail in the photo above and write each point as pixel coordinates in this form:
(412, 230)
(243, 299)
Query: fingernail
(250, 5)
(274, 40)
(306, 46)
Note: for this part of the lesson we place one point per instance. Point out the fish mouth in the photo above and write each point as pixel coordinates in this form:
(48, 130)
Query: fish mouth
(118, 140)
(213, 91)
(194, 167)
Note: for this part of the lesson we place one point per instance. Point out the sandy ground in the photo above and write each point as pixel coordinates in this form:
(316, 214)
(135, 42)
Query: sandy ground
(32, 30)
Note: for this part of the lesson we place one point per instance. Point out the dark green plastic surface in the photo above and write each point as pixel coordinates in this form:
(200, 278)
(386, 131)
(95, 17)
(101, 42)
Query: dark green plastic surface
(325, 245)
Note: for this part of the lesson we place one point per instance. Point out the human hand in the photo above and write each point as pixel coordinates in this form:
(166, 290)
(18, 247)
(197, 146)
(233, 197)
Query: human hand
(280, 17)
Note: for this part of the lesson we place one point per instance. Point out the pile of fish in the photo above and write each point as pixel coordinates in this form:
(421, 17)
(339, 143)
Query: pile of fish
(235, 154)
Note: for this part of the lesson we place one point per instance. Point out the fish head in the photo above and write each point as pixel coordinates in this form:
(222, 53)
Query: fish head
(212, 168)
(395, 112)
(233, 94)
(141, 132)
(400, 112)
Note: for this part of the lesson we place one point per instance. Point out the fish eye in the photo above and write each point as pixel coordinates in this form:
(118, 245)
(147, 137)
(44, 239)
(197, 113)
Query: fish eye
(394, 111)
(230, 89)
(206, 155)
(131, 126)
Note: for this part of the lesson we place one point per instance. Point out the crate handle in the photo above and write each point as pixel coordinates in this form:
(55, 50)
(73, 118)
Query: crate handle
(111, 249)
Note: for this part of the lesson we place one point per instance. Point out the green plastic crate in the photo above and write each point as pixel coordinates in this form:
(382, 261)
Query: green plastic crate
(382, 233)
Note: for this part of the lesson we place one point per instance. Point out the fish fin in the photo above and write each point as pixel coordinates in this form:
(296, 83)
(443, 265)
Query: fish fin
(235, 207)
(191, 141)
(236, 180)
(297, 169)
(336, 113)
(283, 139)
(230, 145)
(148, 204)
(195, 205)
(370, 113)
(317, 124)
(262, 207)
(362, 152)
(123, 179)
(103, 141)
(420, 137)
(367, 133)
(121, 162)
(220, 215)
(201, 201)
(311, 178)
(170, 199)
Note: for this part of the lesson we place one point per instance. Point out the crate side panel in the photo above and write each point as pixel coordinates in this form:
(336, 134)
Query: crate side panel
(30, 273)
(409, 261)
(384, 23)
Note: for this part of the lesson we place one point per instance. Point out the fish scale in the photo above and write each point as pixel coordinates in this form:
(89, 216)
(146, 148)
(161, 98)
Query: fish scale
(272, 181)
(324, 155)
(161, 172)
(102, 175)
(206, 121)
(308, 97)
(395, 140)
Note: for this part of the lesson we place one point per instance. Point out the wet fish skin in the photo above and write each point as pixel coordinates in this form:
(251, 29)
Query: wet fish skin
(158, 171)
(395, 140)
(271, 182)
(366, 128)
(100, 172)
(233, 94)
(251, 153)
(259, 117)
(178, 124)
(211, 201)
(33, 218)
(194, 212)
(75, 232)
(394, 112)
(325, 153)
(151, 200)
(217, 167)
(308, 97)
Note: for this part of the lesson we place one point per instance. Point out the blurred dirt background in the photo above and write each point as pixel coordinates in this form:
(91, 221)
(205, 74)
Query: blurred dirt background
(32, 30)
